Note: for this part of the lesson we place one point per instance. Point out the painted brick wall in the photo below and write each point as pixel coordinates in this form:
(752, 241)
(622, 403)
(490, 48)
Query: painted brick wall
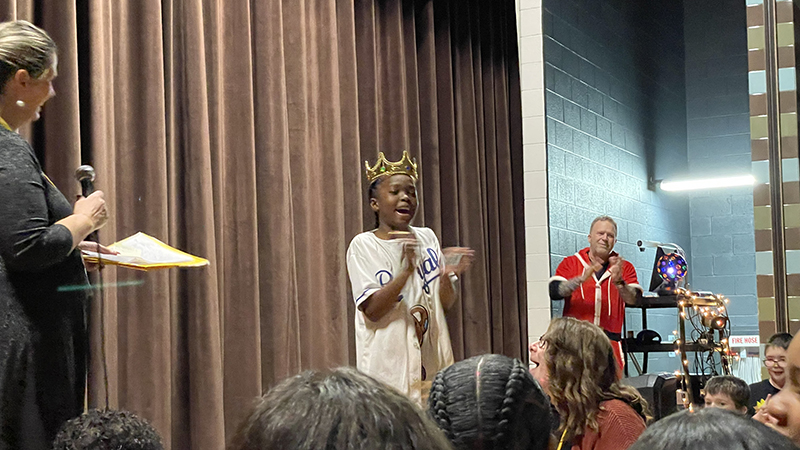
(531, 71)
(718, 133)
(615, 103)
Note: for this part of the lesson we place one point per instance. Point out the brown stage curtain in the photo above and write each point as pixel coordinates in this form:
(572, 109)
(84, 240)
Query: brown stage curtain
(237, 131)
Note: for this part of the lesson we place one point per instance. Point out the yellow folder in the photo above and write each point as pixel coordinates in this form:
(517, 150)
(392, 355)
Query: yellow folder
(144, 252)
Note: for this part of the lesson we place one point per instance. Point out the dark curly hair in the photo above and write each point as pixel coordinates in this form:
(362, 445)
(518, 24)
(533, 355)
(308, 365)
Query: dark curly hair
(107, 430)
(339, 409)
(490, 402)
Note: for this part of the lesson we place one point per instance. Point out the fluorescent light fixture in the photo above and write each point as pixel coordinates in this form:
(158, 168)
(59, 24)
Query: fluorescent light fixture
(707, 183)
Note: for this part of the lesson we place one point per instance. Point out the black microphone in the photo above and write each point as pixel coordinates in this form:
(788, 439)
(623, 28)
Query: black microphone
(85, 176)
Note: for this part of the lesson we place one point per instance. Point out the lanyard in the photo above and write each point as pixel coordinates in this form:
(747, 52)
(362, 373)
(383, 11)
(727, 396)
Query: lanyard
(561, 441)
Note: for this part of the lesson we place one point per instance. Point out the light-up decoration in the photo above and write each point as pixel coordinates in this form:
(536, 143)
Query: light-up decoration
(715, 322)
(671, 267)
(709, 312)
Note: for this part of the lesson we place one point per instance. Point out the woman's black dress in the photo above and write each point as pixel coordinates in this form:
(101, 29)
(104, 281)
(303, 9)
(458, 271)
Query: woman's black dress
(43, 304)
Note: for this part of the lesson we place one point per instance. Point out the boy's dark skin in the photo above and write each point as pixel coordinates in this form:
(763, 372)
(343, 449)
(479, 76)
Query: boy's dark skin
(395, 202)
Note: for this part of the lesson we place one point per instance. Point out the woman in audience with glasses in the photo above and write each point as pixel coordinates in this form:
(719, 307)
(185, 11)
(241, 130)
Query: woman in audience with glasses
(775, 361)
(577, 363)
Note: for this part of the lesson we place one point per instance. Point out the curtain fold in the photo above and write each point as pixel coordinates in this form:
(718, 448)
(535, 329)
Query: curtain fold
(238, 131)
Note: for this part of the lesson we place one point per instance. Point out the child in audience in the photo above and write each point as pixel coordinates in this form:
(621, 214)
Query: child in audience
(490, 402)
(727, 392)
(710, 429)
(597, 412)
(775, 361)
(107, 430)
(339, 409)
(782, 410)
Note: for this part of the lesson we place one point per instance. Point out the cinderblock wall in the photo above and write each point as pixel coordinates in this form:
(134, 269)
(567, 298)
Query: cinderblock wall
(718, 132)
(616, 108)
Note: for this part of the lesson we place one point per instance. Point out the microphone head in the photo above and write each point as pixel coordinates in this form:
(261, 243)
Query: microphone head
(85, 172)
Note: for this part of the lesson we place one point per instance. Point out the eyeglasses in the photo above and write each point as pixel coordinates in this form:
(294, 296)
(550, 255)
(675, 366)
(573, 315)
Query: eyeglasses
(769, 362)
(542, 342)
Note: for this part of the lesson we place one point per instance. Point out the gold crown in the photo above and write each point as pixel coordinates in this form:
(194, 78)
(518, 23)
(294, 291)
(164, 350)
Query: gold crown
(383, 166)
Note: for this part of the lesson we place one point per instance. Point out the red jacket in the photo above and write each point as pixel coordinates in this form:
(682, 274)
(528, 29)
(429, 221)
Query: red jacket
(596, 301)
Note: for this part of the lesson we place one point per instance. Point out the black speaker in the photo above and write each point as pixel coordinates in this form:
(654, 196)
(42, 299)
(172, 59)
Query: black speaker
(659, 389)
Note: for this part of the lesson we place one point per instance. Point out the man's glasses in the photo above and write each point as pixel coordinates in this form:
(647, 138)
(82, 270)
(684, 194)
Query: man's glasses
(769, 362)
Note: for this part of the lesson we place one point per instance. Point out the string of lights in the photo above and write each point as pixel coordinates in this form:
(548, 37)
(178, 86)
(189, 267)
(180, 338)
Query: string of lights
(707, 315)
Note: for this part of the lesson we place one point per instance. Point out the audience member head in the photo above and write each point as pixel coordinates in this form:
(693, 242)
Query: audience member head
(710, 429)
(490, 402)
(336, 409)
(782, 410)
(538, 368)
(727, 392)
(582, 373)
(775, 358)
(107, 430)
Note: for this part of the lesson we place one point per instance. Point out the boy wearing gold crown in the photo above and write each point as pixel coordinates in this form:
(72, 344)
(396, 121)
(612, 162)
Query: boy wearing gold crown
(402, 285)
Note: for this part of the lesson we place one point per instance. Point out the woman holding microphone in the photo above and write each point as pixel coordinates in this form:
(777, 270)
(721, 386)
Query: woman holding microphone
(43, 282)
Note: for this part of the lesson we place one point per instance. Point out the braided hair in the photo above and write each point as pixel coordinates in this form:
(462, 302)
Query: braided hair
(373, 193)
(437, 401)
(490, 402)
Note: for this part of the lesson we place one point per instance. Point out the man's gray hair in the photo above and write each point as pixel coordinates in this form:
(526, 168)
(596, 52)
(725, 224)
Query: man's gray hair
(603, 219)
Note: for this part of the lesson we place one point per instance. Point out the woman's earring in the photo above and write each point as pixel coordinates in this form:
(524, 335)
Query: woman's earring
(20, 103)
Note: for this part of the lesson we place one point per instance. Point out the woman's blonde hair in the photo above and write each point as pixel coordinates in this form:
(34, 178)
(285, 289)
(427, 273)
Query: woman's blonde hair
(24, 46)
(583, 373)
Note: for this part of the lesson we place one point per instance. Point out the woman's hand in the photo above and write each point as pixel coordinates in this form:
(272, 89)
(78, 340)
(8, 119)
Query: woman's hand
(94, 208)
(94, 247)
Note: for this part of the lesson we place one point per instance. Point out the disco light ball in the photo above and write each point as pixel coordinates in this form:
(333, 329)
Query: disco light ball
(671, 267)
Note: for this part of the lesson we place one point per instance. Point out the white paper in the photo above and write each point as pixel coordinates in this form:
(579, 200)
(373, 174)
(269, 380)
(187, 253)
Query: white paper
(141, 249)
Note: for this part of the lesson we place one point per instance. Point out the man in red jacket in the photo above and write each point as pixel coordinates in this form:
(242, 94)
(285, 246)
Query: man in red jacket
(596, 283)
